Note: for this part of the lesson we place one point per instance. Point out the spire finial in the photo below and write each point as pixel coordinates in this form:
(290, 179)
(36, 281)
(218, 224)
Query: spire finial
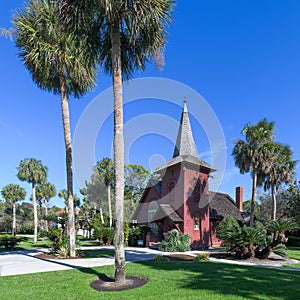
(184, 104)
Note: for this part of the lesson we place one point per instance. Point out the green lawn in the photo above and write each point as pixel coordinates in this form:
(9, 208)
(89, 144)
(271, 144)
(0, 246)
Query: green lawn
(98, 253)
(171, 280)
(294, 253)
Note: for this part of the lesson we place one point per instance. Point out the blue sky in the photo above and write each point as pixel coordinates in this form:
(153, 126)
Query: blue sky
(243, 57)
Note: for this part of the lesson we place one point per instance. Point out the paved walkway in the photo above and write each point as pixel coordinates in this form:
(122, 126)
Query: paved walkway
(25, 262)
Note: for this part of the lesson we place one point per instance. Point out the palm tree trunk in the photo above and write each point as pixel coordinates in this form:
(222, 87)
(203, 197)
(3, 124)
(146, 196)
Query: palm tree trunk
(109, 205)
(46, 214)
(35, 216)
(253, 199)
(14, 220)
(68, 145)
(120, 271)
(274, 208)
(101, 215)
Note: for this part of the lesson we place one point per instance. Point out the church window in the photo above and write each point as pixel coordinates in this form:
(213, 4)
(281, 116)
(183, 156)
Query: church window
(196, 222)
(152, 208)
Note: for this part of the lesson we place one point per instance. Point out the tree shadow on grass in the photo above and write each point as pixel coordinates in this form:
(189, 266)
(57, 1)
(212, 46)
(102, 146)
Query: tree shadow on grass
(232, 280)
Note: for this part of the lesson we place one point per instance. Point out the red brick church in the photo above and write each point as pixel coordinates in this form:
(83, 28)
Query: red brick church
(181, 199)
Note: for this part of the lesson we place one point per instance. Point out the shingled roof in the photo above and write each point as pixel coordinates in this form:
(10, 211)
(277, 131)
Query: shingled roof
(166, 210)
(222, 205)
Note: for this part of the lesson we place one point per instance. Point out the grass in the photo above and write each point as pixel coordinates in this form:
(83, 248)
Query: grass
(98, 253)
(173, 280)
(295, 254)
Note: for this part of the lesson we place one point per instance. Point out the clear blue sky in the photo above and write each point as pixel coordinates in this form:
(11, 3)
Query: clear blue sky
(243, 57)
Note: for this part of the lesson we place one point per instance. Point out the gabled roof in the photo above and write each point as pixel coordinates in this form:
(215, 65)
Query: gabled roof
(222, 205)
(166, 210)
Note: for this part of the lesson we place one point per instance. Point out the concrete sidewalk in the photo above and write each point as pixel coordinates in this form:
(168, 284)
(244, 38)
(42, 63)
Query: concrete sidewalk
(25, 262)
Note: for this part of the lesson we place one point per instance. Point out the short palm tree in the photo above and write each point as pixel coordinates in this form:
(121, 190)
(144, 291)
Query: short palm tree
(282, 170)
(11, 194)
(105, 169)
(253, 154)
(61, 59)
(45, 191)
(33, 171)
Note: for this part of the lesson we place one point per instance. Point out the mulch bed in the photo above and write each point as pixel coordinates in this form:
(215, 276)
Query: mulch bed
(179, 257)
(108, 284)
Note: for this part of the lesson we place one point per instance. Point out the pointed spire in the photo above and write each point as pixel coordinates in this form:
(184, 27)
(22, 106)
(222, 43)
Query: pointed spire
(185, 144)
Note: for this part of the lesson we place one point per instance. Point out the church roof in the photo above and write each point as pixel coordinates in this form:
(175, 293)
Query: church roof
(166, 210)
(185, 148)
(222, 205)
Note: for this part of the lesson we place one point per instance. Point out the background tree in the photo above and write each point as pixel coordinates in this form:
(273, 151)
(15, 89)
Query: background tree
(61, 59)
(253, 154)
(44, 192)
(13, 193)
(33, 171)
(136, 179)
(281, 171)
(105, 169)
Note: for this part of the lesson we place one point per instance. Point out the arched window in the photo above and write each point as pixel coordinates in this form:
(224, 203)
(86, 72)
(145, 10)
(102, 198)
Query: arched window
(152, 208)
(196, 222)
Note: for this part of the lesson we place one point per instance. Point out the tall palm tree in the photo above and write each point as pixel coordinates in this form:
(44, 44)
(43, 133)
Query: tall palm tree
(282, 170)
(45, 191)
(253, 154)
(62, 60)
(11, 194)
(105, 169)
(131, 34)
(33, 171)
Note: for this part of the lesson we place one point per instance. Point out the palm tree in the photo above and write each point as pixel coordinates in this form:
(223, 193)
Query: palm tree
(105, 169)
(45, 191)
(281, 171)
(32, 171)
(133, 32)
(253, 154)
(62, 60)
(13, 193)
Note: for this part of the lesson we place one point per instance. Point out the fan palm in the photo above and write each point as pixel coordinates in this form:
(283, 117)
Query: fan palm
(33, 171)
(105, 169)
(61, 59)
(45, 191)
(11, 194)
(281, 171)
(131, 33)
(253, 154)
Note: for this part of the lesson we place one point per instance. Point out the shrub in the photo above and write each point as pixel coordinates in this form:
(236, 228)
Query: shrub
(9, 242)
(104, 235)
(160, 258)
(202, 257)
(175, 242)
(293, 241)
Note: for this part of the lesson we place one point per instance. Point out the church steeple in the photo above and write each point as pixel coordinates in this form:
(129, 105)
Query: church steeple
(185, 144)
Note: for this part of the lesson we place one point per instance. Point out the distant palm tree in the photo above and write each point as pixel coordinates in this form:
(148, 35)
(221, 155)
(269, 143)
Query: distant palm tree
(253, 155)
(32, 171)
(61, 59)
(45, 191)
(11, 194)
(282, 170)
(105, 169)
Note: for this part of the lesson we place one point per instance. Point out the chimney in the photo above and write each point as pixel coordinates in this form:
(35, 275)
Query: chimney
(239, 197)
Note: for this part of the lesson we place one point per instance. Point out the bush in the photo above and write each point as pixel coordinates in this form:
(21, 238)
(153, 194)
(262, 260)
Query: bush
(104, 235)
(9, 242)
(160, 258)
(293, 241)
(202, 257)
(175, 242)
